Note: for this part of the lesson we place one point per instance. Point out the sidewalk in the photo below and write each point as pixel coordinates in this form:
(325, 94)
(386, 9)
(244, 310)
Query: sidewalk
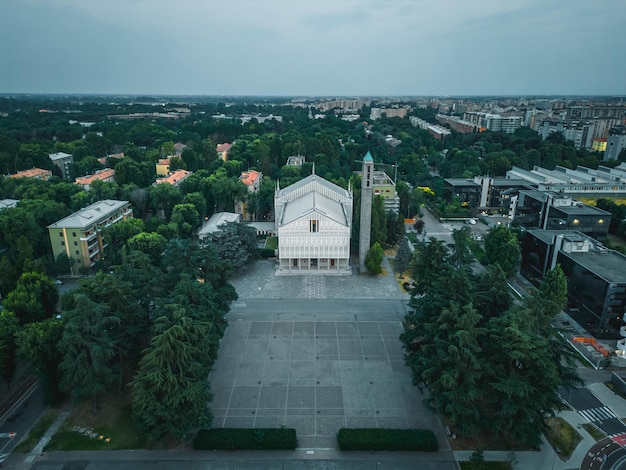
(546, 458)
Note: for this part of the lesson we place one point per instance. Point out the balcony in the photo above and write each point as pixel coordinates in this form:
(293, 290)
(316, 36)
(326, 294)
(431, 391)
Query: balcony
(621, 345)
(622, 331)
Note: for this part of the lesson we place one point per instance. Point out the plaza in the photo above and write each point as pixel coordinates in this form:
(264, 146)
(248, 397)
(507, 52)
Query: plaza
(317, 354)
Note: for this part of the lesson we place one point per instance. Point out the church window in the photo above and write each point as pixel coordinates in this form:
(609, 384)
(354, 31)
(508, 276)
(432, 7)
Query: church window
(314, 226)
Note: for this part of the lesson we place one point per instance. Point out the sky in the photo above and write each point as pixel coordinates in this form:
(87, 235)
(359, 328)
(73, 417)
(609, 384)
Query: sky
(314, 47)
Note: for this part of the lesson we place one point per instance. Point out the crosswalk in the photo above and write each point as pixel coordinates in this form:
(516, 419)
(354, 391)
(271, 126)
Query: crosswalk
(601, 413)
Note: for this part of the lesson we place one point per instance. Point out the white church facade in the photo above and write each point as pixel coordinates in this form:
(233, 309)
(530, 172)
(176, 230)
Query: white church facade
(313, 224)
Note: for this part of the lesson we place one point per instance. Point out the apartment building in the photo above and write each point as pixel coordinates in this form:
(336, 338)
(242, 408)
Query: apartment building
(79, 236)
(62, 161)
(106, 175)
(34, 173)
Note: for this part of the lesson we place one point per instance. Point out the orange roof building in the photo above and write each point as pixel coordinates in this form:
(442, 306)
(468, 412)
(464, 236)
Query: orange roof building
(36, 173)
(175, 178)
(106, 175)
(252, 179)
(223, 150)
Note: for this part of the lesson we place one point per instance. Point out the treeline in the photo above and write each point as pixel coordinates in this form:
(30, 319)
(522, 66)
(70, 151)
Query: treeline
(490, 365)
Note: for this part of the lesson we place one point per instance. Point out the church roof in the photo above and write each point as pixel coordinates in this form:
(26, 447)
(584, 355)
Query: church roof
(314, 202)
(313, 180)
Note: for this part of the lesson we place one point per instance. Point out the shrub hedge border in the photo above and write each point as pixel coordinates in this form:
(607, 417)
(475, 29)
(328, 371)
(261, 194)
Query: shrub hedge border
(371, 439)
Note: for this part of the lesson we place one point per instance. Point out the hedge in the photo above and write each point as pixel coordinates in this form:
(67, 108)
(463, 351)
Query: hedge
(246, 439)
(370, 439)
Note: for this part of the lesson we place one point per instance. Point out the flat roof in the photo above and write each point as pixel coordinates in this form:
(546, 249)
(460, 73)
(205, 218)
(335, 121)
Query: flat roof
(90, 215)
(608, 264)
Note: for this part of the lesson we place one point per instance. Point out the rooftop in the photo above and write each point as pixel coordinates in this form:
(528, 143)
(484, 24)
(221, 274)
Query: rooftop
(90, 215)
(105, 174)
(174, 178)
(249, 177)
(215, 221)
(314, 202)
(32, 173)
(59, 156)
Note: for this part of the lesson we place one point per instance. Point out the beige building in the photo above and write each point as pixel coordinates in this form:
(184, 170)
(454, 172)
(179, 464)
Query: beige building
(252, 180)
(163, 167)
(313, 223)
(79, 236)
(223, 150)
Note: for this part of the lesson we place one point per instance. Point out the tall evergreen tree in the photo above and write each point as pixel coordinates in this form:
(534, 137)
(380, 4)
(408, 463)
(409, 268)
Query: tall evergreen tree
(171, 390)
(88, 365)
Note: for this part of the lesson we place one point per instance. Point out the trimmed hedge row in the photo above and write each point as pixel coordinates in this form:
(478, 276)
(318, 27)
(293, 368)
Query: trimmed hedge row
(246, 439)
(387, 439)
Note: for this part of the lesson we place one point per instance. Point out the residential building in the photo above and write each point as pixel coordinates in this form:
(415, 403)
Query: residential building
(456, 123)
(62, 161)
(377, 113)
(313, 223)
(252, 180)
(494, 122)
(615, 143)
(174, 178)
(106, 175)
(579, 132)
(436, 131)
(163, 167)
(385, 187)
(223, 150)
(598, 144)
(80, 237)
(556, 211)
(596, 276)
(296, 160)
(35, 173)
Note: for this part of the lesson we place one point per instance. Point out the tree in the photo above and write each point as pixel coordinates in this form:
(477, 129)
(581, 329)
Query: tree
(34, 298)
(403, 255)
(150, 243)
(163, 197)
(502, 247)
(88, 351)
(235, 244)
(8, 329)
(171, 391)
(186, 218)
(38, 343)
(374, 259)
(116, 236)
(427, 264)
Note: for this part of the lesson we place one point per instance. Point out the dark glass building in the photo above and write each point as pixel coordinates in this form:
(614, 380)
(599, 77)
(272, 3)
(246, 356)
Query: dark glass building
(596, 276)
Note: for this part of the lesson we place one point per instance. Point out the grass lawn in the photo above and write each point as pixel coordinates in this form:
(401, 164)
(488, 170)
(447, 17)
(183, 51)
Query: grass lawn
(38, 430)
(562, 436)
(271, 243)
(593, 431)
(113, 421)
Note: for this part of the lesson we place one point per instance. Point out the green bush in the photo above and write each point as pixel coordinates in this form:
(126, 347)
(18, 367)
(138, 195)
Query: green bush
(387, 439)
(266, 253)
(246, 439)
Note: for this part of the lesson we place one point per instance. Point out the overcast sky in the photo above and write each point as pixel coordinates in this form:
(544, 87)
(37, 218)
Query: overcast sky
(313, 47)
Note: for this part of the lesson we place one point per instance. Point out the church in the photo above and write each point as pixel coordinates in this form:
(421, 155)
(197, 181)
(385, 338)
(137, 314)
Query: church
(313, 224)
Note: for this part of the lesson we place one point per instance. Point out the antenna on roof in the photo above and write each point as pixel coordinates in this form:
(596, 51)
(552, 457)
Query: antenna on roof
(313, 171)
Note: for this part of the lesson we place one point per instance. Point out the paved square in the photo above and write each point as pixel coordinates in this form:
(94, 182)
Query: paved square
(315, 376)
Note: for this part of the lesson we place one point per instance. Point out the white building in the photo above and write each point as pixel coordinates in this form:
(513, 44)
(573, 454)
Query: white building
(313, 223)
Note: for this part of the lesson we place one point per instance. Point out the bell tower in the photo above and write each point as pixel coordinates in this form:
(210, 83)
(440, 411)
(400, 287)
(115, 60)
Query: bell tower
(367, 191)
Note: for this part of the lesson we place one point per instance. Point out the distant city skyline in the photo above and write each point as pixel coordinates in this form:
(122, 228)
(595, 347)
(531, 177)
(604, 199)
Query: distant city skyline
(321, 48)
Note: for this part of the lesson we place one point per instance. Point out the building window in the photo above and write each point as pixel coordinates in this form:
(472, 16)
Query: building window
(61, 234)
(314, 226)
(73, 234)
(77, 252)
(75, 243)
(62, 243)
